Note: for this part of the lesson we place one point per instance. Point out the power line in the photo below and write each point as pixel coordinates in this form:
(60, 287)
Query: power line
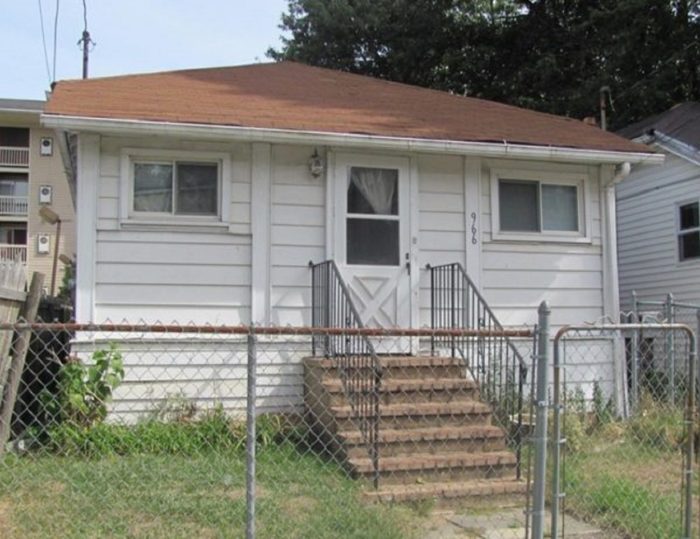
(43, 40)
(55, 36)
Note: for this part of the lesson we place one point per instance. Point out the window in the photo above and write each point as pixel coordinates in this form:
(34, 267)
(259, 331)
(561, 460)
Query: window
(689, 231)
(176, 187)
(13, 185)
(373, 217)
(532, 206)
(14, 137)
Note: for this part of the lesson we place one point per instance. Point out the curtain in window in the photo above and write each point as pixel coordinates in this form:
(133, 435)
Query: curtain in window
(377, 186)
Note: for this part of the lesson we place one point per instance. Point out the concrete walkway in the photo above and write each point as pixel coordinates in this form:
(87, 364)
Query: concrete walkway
(502, 524)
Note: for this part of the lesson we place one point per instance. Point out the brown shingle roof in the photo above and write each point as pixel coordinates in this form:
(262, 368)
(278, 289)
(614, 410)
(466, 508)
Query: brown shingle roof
(294, 96)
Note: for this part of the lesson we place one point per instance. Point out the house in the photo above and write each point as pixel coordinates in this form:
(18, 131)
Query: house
(206, 195)
(522, 199)
(659, 212)
(32, 176)
(203, 195)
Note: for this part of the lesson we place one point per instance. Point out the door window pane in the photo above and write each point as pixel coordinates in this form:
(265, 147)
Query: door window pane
(372, 242)
(197, 188)
(373, 191)
(153, 187)
(559, 208)
(518, 206)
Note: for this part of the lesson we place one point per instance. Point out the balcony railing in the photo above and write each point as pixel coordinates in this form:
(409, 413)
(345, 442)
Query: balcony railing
(12, 156)
(14, 205)
(13, 253)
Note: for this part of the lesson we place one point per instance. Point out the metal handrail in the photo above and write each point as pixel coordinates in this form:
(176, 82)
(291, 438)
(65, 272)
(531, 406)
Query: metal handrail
(352, 353)
(492, 359)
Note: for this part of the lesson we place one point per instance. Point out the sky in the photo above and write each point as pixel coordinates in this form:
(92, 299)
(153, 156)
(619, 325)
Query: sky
(131, 36)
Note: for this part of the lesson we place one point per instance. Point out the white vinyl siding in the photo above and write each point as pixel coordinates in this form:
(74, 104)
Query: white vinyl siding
(166, 274)
(516, 275)
(647, 207)
(441, 221)
(204, 274)
(298, 233)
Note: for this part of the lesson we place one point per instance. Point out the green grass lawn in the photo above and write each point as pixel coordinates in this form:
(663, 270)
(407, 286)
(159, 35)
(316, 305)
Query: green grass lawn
(629, 488)
(201, 495)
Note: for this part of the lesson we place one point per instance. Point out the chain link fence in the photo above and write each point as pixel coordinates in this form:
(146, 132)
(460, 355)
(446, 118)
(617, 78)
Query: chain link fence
(125, 430)
(623, 431)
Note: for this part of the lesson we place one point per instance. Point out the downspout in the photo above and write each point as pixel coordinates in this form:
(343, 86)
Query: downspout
(612, 290)
(611, 284)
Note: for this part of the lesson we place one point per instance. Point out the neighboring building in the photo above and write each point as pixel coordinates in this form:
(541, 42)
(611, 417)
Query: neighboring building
(32, 175)
(658, 211)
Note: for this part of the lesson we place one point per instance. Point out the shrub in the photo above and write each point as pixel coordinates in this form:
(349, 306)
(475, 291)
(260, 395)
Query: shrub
(213, 431)
(84, 391)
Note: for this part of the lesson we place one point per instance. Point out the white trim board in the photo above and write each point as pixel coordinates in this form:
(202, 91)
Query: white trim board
(347, 140)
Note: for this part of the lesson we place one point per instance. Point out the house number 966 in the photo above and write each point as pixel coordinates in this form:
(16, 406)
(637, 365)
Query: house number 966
(474, 229)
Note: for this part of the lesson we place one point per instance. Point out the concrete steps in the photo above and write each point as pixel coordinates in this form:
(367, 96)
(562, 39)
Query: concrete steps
(436, 439)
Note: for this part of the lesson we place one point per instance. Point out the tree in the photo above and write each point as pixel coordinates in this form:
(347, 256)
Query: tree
(549, 55)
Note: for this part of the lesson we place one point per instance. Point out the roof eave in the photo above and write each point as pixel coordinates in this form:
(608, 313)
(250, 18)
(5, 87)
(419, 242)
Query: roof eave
(219, 132)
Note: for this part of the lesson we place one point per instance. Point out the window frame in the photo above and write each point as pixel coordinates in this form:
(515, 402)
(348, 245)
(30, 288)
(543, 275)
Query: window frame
(568, 179)
(679, 233)
(131, 156)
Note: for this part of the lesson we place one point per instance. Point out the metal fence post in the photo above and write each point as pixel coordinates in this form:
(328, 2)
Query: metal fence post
(669, 350)
(250, 437)
(557, 440)
(690, 434)
(540, 471)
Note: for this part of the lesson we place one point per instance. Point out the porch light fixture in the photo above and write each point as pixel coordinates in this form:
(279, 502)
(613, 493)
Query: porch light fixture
(52, 218)
(316, 164)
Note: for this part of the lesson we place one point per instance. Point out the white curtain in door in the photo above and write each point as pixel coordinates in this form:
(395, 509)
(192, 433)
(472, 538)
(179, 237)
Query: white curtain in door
(377, 185)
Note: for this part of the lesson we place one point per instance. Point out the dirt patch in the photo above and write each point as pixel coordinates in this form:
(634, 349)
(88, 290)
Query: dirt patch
(6, 527)
(295, 505)
(146, 525)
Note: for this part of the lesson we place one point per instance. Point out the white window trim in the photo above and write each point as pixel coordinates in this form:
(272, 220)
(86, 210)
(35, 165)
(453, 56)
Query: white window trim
(677, 220)
(583, 195)
(129, 218)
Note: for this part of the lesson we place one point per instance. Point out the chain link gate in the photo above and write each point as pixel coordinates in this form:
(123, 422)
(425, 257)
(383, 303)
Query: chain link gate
(623, 430)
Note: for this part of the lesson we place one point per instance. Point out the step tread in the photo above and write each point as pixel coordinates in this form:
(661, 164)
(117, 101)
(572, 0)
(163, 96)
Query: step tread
(453, 489)
(420, 409)
(430, 461)
(466, 432)
(396, 385)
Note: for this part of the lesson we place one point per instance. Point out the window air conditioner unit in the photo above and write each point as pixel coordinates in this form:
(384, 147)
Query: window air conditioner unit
(43, 244)
(45, 194)
(46, 147)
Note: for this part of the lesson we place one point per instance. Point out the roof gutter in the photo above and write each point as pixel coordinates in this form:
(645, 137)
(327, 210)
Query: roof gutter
(219, 132)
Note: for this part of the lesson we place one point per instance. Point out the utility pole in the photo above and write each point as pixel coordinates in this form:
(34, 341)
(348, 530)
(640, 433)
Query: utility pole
(85, 41)
(604, 106)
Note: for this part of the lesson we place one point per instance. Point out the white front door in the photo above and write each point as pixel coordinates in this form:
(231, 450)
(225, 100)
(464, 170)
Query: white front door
(372, 243)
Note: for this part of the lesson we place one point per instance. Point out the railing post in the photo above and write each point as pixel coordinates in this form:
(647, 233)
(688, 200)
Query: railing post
(314, 307)
(432, 308)
(540, 471)
(251, 437)
(453, 270)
